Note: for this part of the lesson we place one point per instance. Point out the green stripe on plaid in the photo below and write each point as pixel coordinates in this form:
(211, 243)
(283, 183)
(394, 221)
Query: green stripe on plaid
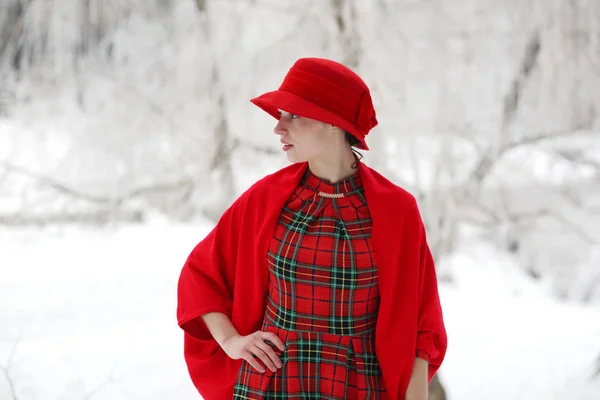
(307, 355)
(285, 269)
(333, 321)
(323, 298)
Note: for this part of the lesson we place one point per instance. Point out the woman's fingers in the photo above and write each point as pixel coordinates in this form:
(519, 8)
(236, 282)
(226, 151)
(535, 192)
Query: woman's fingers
(273, 338)
(269, 352)
(260, 353)
(256, 348)
(249, 357)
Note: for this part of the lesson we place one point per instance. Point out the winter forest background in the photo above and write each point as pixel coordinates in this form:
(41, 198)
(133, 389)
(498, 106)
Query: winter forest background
(126, 129)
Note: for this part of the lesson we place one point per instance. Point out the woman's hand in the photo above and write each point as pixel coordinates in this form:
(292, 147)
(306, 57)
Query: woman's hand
(253, 347)
(250, 348)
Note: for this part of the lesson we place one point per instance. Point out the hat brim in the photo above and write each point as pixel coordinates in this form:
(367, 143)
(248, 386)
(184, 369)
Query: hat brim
(272, 102)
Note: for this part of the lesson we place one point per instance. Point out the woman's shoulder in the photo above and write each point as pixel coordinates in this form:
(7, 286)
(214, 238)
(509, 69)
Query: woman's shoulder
(399, 204)
(385, 186)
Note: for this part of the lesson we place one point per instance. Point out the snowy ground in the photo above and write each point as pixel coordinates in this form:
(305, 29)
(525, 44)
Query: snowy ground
(91, 315)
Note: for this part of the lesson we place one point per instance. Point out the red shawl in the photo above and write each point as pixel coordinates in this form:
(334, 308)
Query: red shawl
(227, 272)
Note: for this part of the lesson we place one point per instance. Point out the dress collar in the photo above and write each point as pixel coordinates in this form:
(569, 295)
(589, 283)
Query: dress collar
(324, 188)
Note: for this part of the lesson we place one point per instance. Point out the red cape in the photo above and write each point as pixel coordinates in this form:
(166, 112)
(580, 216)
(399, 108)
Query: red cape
(227, 272)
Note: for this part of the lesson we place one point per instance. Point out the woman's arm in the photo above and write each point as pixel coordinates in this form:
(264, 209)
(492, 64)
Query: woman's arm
(220, 327)
(418, 385)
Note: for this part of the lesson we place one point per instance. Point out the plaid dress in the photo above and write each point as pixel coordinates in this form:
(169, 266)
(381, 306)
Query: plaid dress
(322, 298)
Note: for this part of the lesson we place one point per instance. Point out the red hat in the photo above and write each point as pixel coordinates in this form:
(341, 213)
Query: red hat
(327, 91)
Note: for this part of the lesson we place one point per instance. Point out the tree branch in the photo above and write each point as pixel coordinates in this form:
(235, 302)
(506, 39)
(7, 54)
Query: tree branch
(45, 180)
(513, 97)
(64, 189)
(11, 384)
(492, 155)
(578, 159)
(7, 374)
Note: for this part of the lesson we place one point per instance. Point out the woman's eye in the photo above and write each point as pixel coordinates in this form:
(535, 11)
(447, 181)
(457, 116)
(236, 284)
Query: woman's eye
(292, 116)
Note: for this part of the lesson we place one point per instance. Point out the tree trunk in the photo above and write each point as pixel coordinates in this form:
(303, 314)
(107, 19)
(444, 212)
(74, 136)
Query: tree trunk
(221, 168)
(10, 18)
(344, 13)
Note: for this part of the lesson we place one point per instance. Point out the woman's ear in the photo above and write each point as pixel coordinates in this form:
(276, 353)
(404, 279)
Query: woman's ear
(335, 129)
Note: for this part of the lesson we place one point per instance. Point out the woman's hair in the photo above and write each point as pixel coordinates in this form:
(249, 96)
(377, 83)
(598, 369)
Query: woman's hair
(353, 142)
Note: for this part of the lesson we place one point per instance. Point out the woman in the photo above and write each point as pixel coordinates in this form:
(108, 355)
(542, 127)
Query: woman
(317, 282)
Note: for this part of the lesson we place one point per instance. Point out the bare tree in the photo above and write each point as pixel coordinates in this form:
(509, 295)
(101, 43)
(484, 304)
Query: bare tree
(221, 164)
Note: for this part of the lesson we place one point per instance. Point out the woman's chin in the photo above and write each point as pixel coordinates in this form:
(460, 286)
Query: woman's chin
(293, 158)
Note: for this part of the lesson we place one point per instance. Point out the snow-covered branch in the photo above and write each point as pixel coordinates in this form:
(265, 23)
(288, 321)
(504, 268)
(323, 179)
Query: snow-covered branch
(8, 373)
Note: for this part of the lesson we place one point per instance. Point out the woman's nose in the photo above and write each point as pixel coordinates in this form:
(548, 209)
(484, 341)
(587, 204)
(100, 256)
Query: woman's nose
(280, 127)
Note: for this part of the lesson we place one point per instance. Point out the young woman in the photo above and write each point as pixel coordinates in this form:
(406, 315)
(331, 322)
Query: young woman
(318, 281)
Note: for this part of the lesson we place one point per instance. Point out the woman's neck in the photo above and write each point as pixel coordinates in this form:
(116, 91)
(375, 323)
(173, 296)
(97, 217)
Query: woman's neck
(334, 168)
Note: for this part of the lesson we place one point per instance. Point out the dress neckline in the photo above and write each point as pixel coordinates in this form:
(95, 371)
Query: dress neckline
(325, 188)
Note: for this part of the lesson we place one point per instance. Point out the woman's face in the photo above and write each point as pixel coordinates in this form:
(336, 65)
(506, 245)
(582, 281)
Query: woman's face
(304, 139)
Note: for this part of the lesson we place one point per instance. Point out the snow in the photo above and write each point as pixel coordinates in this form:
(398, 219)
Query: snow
(85, 306)
(509, 339)
(91, 314)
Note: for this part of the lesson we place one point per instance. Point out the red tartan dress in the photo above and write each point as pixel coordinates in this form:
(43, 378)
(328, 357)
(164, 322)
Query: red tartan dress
(323, 298)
